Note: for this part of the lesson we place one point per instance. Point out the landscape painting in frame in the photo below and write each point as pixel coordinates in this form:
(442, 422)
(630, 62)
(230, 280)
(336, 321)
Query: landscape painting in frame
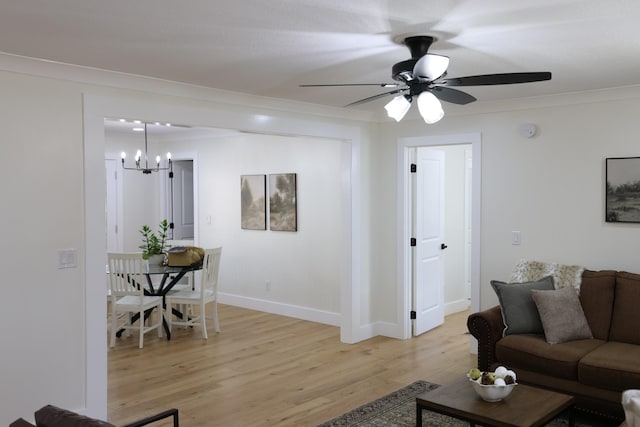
(282, 202)
(253, 202)
(623, 189)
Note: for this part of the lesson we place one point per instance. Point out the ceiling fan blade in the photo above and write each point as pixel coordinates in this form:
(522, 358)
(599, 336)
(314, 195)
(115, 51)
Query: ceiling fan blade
(431, 66)
(354, 84)
(453, 96)
(374, 97)
(497, 79)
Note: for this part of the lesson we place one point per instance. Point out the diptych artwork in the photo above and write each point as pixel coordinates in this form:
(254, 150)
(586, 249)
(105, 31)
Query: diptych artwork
(283, 215)
(282, 202)
(253, 202)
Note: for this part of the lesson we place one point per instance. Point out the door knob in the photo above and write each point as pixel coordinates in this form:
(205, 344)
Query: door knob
(443, 246)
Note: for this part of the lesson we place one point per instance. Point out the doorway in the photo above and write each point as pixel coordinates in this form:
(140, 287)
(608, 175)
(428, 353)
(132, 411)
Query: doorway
(441, 208)
(406, 147)
(180, 207)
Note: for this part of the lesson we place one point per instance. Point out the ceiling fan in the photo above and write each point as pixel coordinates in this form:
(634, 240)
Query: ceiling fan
(423, 77)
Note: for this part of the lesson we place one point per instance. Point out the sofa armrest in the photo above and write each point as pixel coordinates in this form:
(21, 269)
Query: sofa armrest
(52, 416)
(157, 417)
(487, 327)
(21, 422)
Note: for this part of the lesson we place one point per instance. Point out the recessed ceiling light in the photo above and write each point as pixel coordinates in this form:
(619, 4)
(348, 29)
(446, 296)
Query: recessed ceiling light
(138, 129)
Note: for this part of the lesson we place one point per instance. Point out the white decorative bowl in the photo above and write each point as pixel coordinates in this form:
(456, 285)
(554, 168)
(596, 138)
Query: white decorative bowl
(492, 393)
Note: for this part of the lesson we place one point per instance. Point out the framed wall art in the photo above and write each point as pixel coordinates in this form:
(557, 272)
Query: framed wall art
(283, 214)
(622, 198)
(253, 202)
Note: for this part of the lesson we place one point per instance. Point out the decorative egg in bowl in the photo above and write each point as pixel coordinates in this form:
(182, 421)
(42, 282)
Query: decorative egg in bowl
(493, 386)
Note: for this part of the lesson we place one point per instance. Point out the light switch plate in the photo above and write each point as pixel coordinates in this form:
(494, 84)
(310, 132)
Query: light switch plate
(516, 238)
(67, 258)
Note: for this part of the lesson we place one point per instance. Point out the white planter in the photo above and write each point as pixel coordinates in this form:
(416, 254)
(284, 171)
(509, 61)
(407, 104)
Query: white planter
(156, 259)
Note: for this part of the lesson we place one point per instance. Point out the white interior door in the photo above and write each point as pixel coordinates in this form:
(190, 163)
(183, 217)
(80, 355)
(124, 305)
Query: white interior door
(428, 265)
(183, 208)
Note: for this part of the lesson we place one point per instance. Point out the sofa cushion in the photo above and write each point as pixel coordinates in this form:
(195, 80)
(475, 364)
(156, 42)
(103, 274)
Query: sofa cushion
(561, 315)
(596, 296)
(519, 312)
(614, 366)
(52, 416)
(626, 315)
(534, 353)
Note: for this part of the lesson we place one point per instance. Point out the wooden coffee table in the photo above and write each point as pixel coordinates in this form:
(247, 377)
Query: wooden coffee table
(525, 406)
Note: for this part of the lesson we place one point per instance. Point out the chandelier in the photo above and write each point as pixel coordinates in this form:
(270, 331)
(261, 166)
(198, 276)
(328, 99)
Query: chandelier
(142, 164)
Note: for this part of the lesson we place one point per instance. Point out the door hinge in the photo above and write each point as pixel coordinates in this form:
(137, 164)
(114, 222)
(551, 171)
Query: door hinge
(414, 168)
(413, 315)
(413, 241)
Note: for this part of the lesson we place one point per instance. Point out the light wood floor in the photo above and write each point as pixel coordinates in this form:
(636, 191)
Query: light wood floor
(269, 370)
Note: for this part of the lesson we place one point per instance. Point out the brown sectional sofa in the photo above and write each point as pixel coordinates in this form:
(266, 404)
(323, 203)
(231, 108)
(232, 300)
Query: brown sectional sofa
(596, 371)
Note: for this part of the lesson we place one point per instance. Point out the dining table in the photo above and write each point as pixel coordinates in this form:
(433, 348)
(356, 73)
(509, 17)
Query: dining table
(169, 276)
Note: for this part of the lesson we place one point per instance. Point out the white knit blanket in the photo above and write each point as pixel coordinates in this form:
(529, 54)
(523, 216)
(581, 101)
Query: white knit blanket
(631, 405)
(563, 275)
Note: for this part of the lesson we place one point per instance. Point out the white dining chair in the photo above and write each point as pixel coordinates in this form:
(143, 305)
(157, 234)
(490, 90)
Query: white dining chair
(127, 280)
(204, 294)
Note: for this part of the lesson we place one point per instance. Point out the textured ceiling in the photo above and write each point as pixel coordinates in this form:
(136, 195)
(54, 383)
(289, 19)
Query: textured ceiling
(269, 48)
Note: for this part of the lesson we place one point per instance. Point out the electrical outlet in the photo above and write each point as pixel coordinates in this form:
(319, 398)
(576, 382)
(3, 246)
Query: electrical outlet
(267, 285)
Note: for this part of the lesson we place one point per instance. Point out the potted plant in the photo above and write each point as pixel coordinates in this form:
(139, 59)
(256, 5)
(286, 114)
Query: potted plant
(153, 245)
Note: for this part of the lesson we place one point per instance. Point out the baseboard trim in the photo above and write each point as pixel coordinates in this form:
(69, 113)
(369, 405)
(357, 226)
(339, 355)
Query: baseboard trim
(456, 306)
(273, 307)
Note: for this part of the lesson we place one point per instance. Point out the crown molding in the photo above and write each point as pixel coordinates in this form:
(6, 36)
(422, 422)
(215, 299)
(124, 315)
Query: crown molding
(112, 79)
(117, 80)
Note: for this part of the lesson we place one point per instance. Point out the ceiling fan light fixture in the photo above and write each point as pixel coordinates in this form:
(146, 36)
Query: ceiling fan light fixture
(431, 66)
(430, 107)
(398, 107)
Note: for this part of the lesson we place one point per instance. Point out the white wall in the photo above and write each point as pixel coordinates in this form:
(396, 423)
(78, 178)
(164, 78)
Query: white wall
(42, 321)
(549, 187)
(302, 267)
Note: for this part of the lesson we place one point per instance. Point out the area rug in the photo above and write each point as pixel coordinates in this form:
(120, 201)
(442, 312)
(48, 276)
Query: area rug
(398, 409)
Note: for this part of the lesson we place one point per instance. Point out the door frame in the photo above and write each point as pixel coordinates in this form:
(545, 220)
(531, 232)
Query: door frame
(404, 201)
(96, 107)
(113, 157)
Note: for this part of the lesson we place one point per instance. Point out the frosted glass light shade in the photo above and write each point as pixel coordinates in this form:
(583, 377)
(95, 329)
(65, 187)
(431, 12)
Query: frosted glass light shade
(431, 66)
(397, 108)
(430, 107)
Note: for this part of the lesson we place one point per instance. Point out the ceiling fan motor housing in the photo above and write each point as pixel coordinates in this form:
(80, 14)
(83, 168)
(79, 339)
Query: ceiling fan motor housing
(418, 46)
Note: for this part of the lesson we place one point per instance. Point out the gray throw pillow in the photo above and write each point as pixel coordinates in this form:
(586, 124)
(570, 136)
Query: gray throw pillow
(562, 316)
(519, 312)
